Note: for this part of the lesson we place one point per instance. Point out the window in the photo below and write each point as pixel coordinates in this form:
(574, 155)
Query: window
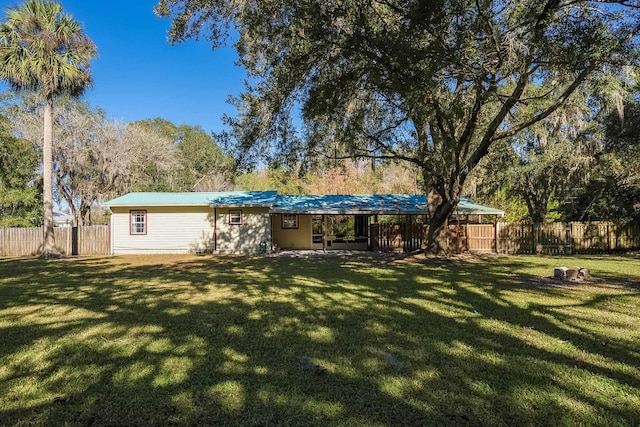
(289, 221)
(138, 222)
(235, 217)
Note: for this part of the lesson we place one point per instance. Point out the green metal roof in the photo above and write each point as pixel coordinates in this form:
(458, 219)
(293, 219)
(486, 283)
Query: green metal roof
(354, 204)
(469, 207)
(229, 198)
(364, 204)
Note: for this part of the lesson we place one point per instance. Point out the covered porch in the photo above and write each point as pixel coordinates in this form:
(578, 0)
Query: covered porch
(382, 222)
(336, 222)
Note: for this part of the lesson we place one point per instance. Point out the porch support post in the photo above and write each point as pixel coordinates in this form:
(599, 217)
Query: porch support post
(324, 235)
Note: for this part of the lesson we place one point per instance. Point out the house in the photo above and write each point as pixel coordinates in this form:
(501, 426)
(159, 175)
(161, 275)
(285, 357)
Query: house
(62, 219)
(252, 221)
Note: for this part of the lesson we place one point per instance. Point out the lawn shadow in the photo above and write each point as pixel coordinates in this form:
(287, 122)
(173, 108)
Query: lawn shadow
(289, 341)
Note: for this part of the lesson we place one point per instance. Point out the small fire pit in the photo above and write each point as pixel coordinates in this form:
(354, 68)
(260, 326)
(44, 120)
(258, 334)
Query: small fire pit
(571, 273)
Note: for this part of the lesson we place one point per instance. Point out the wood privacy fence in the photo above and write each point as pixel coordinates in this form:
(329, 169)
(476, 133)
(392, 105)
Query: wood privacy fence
(412, 237)
(514, 238)
(90, 240)
(567, 238)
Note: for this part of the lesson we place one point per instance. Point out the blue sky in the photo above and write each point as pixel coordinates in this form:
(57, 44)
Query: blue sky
(139, 75)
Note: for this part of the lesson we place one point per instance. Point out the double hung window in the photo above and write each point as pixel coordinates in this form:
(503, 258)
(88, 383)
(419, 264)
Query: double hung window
(138, 222)
(289, 221)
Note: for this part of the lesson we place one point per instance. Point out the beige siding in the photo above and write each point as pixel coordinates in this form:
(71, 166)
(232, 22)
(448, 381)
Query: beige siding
(169, 230)
(245, 237)
(299, 238)
(189, 229)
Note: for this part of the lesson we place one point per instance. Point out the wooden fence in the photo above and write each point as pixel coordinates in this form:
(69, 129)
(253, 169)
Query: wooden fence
(567, 238)
(91, 240)
(398, 238)
(514, 238)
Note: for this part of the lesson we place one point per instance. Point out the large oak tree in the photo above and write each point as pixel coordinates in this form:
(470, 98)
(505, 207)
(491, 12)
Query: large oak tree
(434, 83)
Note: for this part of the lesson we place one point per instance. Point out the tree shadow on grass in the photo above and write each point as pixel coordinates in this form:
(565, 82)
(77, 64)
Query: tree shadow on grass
(275, 341)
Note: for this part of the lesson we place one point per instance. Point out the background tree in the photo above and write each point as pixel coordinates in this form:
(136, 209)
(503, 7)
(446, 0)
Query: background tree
(94, 157)
(539, 167)
(612, 192)
(433, 83)
(20, 192)
(44, 50)
(201, 163)
(282, 180)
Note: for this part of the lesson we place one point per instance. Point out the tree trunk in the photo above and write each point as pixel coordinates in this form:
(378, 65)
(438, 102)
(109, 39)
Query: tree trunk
(437, 236)
(49, 248)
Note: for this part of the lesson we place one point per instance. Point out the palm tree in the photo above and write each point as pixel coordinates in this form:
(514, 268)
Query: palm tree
(43, 49)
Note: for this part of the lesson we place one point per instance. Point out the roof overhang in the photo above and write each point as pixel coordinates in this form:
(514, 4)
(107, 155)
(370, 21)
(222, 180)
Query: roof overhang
(345, 212)
(238, 205)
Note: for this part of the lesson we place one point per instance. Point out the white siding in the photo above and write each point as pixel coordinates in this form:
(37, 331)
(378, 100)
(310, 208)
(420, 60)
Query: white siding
(169, 230)
(187, 229)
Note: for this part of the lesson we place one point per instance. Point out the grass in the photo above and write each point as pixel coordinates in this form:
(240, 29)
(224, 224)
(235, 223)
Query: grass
(188, 340)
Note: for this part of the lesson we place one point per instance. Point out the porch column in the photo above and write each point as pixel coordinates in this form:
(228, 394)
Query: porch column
(324, 235)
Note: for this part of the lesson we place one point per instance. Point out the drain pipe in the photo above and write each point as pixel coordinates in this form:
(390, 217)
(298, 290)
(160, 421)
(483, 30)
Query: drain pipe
(215, 230)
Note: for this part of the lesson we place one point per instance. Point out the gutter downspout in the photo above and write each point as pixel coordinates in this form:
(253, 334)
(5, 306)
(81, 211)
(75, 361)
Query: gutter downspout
(215, 230)
(111, 233)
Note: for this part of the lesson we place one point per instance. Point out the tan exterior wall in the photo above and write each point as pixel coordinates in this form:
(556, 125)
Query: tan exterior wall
(245, 237)
(186, 229)
(296, 238)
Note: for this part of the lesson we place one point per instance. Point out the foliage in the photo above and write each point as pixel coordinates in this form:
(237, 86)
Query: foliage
(608, 197)
(281, 180)
(20, 196)
(351, 177)
(196, 340)
(612, 192)
(539, 167)
(95, 157)
(345, 176)
(201, 164)
(45, 51)
(434, 84)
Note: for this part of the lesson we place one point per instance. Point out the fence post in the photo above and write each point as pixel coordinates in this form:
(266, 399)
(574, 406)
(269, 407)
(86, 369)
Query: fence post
(374, 233)
(74, 240)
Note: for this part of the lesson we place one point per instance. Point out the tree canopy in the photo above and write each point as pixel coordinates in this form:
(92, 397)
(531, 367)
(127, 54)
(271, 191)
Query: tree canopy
(20, 195)
(95, 157)
(434, 83)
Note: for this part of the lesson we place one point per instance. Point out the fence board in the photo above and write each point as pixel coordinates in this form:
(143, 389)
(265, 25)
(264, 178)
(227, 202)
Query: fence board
(568, 238)
(91, 240)
(516, 238)
(556, 238)
(481, 237)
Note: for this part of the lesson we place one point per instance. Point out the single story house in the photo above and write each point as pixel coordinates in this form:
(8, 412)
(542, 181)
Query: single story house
(254, 221)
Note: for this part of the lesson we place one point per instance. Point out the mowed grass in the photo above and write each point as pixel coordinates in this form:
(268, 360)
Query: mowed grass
(204, 340)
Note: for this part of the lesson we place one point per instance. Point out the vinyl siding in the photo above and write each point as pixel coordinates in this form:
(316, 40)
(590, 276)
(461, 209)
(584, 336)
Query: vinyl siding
(169, 230)
(244, 238)
(186, 229)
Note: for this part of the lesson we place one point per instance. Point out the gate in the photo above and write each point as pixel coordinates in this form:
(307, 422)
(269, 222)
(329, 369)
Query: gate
(481, 237)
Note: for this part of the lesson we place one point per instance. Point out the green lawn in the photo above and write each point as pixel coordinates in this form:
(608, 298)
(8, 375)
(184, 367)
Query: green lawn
(318, 341)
